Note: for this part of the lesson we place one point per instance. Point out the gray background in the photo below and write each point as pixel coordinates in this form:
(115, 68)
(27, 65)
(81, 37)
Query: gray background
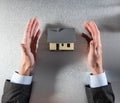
(60, 76)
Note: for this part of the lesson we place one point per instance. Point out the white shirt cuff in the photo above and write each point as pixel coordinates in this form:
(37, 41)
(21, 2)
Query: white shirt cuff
(21, 79)
(98, 80)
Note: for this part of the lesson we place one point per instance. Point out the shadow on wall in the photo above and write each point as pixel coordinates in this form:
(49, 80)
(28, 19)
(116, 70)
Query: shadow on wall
(111, 55)
(110, 24)
(49, 63)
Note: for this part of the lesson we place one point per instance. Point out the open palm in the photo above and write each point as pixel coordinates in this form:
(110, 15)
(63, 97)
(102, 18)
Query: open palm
(29, 43)
(95, 47)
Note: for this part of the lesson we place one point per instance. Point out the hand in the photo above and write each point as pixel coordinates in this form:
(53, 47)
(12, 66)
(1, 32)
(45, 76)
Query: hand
(29, 46)
(95, 47)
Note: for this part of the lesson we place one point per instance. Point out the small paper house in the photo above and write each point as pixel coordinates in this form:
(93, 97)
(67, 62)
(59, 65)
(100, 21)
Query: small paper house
(61, 38)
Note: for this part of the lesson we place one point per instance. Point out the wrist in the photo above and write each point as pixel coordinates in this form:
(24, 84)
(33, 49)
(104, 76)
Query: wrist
(96, 71)
(98, 80)
(24, 71)
(21, 79)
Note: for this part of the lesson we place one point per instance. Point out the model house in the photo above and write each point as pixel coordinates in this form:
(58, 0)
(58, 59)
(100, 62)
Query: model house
(61, 38)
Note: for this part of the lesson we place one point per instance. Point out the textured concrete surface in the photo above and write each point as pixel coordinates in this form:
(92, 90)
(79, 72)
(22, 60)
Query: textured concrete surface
(60, 76)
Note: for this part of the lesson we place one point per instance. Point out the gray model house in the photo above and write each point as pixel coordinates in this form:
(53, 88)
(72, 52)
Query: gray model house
(61, 38)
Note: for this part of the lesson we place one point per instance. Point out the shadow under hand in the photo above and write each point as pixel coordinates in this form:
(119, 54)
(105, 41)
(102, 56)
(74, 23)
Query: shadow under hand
(48, 65)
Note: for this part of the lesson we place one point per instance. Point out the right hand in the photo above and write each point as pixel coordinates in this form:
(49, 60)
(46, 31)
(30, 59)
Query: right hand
(95, 47)
(28, 46)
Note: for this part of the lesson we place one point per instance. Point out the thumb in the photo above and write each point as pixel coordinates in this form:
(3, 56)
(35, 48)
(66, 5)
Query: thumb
(23, 48)
(91, 48)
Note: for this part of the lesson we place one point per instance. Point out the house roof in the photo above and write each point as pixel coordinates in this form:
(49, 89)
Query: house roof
(58, 35)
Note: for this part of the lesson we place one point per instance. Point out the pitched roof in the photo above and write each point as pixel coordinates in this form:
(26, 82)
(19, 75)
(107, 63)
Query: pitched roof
(58, 35)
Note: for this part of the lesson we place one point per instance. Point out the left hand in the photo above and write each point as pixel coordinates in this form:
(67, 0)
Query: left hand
(28, 46)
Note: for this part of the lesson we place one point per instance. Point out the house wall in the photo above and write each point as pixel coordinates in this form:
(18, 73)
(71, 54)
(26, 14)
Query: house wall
(53, 46)
(59, 77)
(64, 47)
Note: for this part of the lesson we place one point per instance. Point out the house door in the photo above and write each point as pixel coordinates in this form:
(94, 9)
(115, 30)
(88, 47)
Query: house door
(57, 45)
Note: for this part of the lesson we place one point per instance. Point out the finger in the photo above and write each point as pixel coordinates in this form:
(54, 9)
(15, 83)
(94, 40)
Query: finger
(86, 37)
(23, 48)
(34, 26)
(97, 33)
(35, 29)
(94, 33)
(34, 43)
(37, 37)
(27, 31)
(88, 28)
(93, 29)
(99, 51)
(92, 48)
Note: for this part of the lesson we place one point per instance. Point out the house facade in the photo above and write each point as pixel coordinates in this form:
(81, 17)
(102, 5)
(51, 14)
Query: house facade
(61, 38)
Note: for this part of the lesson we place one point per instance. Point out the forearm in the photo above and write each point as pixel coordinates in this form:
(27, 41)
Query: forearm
(98, 90)
(18, 89)
(102, 94)
(16, 93)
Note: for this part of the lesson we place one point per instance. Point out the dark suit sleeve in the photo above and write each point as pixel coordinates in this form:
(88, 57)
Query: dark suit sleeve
(102, 94)
(16, 93)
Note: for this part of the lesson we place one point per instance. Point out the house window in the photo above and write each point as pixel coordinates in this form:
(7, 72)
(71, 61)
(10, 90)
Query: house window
(68, 45)
(62, 44)
(57, 46)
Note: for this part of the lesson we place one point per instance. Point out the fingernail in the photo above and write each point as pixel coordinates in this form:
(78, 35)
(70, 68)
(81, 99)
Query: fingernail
(36, 17)
(85, 22)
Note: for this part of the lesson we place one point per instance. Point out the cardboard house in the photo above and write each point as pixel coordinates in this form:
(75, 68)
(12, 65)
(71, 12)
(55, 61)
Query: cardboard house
(61, 38)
